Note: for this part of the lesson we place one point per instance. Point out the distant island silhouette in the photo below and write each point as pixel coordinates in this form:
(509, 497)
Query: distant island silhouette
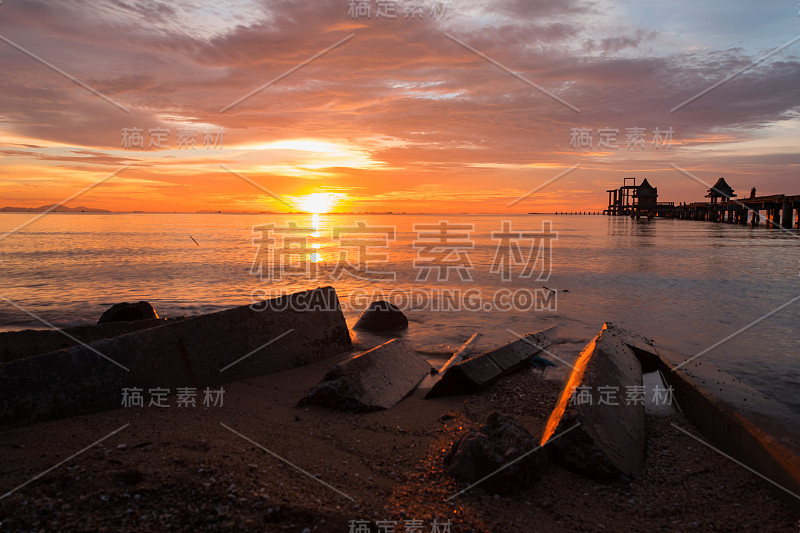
(55, 208)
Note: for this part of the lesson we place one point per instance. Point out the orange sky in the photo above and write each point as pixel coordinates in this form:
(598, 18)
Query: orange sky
(405, 114)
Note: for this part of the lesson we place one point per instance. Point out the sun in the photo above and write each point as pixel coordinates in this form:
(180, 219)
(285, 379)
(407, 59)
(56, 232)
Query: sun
(318, 202)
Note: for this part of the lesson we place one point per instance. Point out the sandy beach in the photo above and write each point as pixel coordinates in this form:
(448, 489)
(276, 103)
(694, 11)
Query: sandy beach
(193, 469)
(359, 266)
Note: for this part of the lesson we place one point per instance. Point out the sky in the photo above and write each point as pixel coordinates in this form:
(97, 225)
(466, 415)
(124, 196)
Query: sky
(508, 106)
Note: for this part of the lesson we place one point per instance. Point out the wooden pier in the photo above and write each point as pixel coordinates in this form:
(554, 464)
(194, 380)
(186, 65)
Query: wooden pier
(779, 210)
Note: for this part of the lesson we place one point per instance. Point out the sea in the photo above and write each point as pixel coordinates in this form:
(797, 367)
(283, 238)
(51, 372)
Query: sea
(729, 293)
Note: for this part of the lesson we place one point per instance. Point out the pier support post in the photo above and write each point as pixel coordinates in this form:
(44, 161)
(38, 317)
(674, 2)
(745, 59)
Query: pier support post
(776, 216)
(787, 218)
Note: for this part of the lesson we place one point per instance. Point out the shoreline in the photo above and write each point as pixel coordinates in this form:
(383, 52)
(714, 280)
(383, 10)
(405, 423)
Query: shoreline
(180, 468)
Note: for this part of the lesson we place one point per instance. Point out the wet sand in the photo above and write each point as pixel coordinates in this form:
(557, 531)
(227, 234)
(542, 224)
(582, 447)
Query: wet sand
(180, 469)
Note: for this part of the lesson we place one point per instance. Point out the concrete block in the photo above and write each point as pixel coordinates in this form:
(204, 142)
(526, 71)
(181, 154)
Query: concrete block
(466, 351)
(374, 380)
(643, 348)
(480, 371)
(26, 343)
(466, 377)
(737, 419)
(597, 436)
(211, 349)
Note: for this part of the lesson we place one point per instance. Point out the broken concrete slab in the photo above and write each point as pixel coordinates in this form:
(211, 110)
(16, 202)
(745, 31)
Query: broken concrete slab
(26, 343)
(642, 347)
(205, 350)
(737, 419)
(597, 432)
(515, 355)
(466, 377)
(466, 351)
(374, 380)
(480, 371)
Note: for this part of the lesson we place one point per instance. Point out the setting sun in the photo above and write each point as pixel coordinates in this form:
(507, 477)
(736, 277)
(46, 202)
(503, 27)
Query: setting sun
(318, 202)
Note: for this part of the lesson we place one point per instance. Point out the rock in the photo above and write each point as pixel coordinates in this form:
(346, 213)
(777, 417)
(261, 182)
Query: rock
(126, 312)
(496, 443)
(381, 316)
(480, 371)
(597, 432)
(374, 380)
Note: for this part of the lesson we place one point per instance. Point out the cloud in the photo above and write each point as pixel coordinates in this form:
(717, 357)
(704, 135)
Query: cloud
(410, 105)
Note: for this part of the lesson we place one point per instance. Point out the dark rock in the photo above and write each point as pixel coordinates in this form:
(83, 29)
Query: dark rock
(126, 312)
(381, 316)
(497, 443)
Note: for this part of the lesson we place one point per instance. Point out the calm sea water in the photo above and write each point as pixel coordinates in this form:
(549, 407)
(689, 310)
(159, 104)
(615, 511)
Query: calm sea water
(687, 285)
